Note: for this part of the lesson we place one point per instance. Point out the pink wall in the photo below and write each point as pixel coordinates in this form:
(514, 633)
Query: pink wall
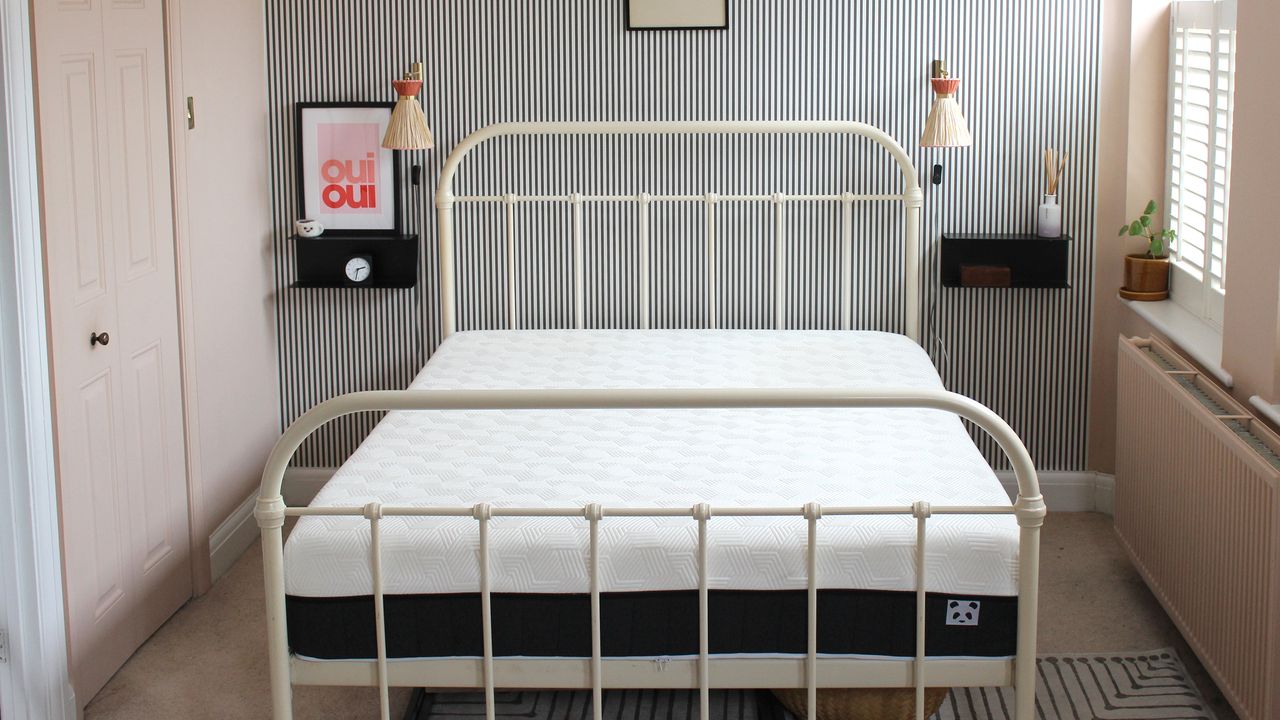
(1132, 108)
(224, 222)
(1249, 335)
(1131, 152)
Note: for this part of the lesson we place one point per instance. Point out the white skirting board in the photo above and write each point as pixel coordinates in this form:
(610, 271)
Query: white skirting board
(1064, 491)
(232, 537)
(1069, 491)
(238, 531)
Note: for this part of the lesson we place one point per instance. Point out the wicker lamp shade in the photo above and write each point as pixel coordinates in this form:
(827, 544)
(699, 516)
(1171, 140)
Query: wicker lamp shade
(408, 129)
(945, 126)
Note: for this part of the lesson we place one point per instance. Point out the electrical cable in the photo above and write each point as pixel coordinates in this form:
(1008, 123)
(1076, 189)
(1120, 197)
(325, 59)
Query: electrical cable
(935, 225)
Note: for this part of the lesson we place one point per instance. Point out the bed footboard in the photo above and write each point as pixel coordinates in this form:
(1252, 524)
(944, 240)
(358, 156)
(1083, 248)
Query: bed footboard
(703, 672)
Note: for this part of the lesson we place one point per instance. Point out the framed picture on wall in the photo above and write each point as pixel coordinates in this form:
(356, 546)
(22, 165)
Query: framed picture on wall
(677, 14)
(346, 179)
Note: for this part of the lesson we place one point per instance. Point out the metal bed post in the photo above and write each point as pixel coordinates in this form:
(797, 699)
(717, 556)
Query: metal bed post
(779, 264)
(846, 260)
(483, 513)
(644, 199)
(1030, 512)
(509, 207)
(913, 199)
(812, 513)
(712, 289)
(593, 514)
(448, 292)
(921, 511)
(270, 513)
(373, 513)
(579, 292)
(702, 513)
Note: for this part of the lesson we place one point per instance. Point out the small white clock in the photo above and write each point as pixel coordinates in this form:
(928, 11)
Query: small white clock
(359, 269)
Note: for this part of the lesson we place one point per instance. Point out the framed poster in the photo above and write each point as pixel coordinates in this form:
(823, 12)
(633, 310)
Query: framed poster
(346, 179)
(677, 14)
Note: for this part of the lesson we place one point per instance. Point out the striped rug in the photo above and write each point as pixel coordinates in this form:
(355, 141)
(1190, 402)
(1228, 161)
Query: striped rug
(1129, 686)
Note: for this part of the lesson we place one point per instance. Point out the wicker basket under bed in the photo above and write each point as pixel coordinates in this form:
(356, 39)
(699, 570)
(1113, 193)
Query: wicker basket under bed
(862, 703)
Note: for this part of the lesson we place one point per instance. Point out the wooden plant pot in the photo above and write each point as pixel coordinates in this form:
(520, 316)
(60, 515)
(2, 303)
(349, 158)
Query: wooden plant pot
(1145, 278)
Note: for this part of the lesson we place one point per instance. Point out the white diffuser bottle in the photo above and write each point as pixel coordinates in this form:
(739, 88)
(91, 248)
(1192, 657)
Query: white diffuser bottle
(1049, 218)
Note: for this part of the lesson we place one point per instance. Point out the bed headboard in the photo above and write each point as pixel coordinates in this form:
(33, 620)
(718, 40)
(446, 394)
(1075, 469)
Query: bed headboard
(910, 198)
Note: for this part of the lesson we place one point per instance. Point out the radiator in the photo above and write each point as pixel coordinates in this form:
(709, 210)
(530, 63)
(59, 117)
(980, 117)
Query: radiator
(1197, 507)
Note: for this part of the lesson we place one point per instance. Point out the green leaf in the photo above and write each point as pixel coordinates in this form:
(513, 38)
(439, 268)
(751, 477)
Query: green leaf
(1124, 229)
(1151, 207)
(1145, 220)
(1135, 230)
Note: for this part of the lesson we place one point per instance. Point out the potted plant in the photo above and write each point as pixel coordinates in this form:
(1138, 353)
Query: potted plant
(1146, 275)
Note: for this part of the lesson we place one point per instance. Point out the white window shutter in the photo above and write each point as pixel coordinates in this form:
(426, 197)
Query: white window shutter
(1201, 94)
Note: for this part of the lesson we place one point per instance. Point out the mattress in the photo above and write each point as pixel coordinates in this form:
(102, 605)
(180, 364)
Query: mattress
(725, 457)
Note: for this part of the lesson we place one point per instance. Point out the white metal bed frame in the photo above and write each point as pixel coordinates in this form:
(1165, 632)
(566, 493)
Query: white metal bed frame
(703, 672)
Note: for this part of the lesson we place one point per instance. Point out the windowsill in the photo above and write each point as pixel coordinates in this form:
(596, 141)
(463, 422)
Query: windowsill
(1195, 337)
(1269, 411)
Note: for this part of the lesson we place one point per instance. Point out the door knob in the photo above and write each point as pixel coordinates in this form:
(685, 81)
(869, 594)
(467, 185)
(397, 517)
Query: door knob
(99, 339)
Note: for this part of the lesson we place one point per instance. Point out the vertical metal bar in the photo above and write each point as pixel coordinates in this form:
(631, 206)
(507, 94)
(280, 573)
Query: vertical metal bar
(483, 512)
(920, 510)
(270, 516)
(702, 512)
(510, 201)
(846, 252)
(1024, 678)
(448, 292)
(579, 300)
(373, 511)
(712, 290)
(645, 199)
(911, 264)
(779, 261)
(812, 511)
(593, 513)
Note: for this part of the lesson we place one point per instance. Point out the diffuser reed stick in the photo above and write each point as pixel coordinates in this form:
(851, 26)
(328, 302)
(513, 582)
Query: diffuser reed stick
(1055, 162)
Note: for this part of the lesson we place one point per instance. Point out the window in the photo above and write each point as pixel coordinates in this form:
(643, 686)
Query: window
(1201, 92)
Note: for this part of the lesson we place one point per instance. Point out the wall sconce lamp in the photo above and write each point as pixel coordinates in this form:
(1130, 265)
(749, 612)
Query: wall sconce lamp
(945, 126)
(408, 129)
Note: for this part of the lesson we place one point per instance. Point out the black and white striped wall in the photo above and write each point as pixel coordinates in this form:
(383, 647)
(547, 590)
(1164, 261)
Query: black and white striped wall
(1029, 81)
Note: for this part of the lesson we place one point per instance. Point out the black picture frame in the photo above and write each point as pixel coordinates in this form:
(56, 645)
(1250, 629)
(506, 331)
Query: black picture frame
(626, 14)
(299, 111)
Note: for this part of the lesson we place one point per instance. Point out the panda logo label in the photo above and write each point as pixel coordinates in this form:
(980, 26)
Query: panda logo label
(963, 612)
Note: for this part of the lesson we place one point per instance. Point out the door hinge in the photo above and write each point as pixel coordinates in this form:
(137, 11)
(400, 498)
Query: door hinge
(191, 112)
(4, 645)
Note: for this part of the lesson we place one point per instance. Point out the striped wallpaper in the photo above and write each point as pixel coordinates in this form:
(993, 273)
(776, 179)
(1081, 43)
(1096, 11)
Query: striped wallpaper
(1029, 81)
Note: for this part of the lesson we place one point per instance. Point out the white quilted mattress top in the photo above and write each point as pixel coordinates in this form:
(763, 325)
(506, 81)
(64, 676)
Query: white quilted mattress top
(663, 457)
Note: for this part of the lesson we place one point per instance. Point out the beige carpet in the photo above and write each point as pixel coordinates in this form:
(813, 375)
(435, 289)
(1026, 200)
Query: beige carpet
(208, 661)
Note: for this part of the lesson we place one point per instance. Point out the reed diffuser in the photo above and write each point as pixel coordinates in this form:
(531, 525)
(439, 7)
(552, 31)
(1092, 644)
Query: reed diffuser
(1049, 217)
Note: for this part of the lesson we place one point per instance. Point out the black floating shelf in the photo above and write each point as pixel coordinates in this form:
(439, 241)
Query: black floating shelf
(1004, 261)
(321, 261)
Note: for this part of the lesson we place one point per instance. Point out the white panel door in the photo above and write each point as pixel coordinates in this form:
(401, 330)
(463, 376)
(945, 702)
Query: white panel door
(109, 257)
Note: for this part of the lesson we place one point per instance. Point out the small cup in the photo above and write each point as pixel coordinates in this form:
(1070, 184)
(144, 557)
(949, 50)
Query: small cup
(307, 227)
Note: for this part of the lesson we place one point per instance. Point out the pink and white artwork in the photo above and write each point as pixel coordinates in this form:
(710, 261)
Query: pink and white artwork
(347, 179)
